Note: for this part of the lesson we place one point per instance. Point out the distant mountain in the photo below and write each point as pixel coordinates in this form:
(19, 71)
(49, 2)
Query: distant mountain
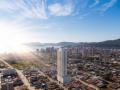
(104, 44)
(107, 44)
(66, 43)
(51, 44)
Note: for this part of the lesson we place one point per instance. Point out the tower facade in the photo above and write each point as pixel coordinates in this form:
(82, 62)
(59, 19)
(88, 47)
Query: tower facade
(62, 66)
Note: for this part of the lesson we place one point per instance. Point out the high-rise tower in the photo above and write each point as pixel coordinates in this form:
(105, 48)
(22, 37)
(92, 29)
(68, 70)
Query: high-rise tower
(62, 66)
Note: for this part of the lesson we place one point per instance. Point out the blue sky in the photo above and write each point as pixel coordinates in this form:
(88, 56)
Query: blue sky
(61, 20)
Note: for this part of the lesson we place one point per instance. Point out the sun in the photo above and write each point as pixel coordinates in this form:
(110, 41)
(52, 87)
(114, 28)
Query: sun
(11, 38)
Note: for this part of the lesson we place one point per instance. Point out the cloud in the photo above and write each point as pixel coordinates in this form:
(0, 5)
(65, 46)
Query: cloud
(39, 27)
(95, 3)
(21, 10)
(58, 9)
(24, 8)
(108, 5)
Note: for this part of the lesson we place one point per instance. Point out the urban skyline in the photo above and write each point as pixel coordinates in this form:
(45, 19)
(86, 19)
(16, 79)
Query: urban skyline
(59, 44)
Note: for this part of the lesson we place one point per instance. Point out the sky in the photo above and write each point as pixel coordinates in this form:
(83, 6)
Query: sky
(59, 20)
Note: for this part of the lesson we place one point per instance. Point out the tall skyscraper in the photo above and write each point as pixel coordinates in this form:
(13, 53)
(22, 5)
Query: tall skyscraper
(62, 76)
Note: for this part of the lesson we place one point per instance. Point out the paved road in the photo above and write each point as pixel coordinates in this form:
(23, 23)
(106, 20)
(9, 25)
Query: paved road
(23, 78)
(86, 84)
(99, 78)
(52, 80)
(0, 81)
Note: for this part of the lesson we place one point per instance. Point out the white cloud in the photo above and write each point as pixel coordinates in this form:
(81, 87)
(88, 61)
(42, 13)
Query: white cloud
(95, 3)
(24, 8)
(39, 27)
(108, 5)
(36, 9)
(58, 9)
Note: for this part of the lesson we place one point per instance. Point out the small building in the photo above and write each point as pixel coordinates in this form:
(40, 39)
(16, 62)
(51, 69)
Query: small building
(7, 86)
(9, 72)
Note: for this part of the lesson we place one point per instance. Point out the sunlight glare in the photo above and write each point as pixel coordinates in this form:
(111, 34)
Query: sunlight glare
(11, 38)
